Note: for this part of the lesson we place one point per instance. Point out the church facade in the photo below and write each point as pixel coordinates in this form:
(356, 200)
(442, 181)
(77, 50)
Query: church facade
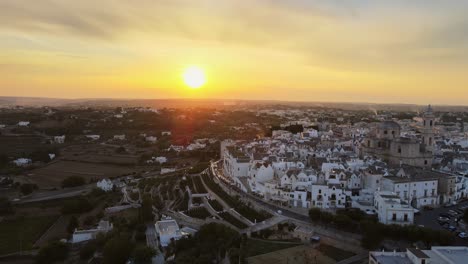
(386, 143)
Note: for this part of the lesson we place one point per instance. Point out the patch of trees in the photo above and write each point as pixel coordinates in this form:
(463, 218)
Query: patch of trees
(232, 220)
(73, 181)
(243, 209)
(209, 245)
(52, 253)
(215, 204)
(5, 206)
(198, 212)
(27, 188)
(146, 209)
(374, 232)
(77, 206)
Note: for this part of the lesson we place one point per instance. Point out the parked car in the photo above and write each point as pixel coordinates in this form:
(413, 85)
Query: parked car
(445, 215)
(463, 235)
(452, 213)
(315, 239)
(452, 228)
(443, 219)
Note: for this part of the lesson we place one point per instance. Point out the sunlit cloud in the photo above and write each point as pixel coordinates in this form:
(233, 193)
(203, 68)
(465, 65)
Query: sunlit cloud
(296, 50)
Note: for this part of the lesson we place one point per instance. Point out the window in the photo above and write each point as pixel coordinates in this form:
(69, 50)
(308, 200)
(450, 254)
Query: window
(424, 122)
(385, 132)
(394, 217)
(430, 141)
(405, 217)
(399, 149)
(425, 162)
(430, 123)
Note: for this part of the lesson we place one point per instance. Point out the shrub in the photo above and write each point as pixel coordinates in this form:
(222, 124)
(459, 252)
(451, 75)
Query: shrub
(73, 181)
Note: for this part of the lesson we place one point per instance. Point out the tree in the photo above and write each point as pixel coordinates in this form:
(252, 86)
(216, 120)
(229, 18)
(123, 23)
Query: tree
(87, 251)
(143, 254)
(76, 206)
(73, 181)
(117, 250)
(53, 252)
(27, 188)
(147, 208)
(5, 206)
(465, 216)
(314, 214)
(72, 224)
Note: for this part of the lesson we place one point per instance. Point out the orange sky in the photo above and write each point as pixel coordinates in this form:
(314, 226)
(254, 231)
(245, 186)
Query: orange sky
(400, 51)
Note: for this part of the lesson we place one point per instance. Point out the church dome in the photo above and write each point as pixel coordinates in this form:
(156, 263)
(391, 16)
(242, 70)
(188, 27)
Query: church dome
(389, 125)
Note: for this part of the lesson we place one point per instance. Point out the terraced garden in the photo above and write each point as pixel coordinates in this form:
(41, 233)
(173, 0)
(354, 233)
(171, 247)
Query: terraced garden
(243, 209)
(232, 220)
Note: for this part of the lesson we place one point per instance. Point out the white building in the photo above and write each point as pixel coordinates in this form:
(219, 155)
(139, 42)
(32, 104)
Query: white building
(393, 210)
(166, 133)
(23, 123)
(329, 196)
(105, 185)
(167, 230)
(119, 137)
(436, 255)
(161, 160)
(151, 139)
(93, 137)
(59, 139)
(167, 170)
(417, 189)
(85, 235)
(22, 162)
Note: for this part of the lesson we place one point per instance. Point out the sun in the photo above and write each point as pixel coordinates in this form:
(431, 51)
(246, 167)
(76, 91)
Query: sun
(194, 77)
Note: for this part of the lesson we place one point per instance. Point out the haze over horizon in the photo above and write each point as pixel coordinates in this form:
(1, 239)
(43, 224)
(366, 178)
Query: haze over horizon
(330, 51)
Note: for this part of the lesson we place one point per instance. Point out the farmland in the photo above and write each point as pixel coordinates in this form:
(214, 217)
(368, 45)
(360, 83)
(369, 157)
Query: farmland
(21, 233)
(53, 174)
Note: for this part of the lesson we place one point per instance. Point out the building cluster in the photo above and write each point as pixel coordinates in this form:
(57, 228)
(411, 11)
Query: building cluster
(389, 168)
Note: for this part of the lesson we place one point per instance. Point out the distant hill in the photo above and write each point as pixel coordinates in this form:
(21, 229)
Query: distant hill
(208, 103)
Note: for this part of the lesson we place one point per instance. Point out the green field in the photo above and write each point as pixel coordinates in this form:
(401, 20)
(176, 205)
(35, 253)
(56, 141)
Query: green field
(21, 233)
(258, 247)
(334, 253)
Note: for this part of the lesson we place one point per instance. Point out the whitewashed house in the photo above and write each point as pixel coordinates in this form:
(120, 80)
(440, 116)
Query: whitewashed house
(151, 139)
(119, 137)
(167, 230)
(59, 139)
(391, 209)
(90, 234)
(23, 123)
(22, 162)
(105, 185)
(93, 137)
(161, 160)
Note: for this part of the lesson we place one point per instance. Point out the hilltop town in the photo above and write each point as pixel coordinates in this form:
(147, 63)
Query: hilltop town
(238, 183)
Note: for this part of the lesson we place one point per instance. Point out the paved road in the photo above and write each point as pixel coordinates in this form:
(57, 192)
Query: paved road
(57, 194)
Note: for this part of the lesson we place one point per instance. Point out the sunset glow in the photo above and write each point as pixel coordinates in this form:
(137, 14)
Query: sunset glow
(194, 77)
(291, 50)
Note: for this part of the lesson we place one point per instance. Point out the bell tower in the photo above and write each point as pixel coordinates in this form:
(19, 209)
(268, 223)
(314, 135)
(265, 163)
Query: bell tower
(428, 129)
